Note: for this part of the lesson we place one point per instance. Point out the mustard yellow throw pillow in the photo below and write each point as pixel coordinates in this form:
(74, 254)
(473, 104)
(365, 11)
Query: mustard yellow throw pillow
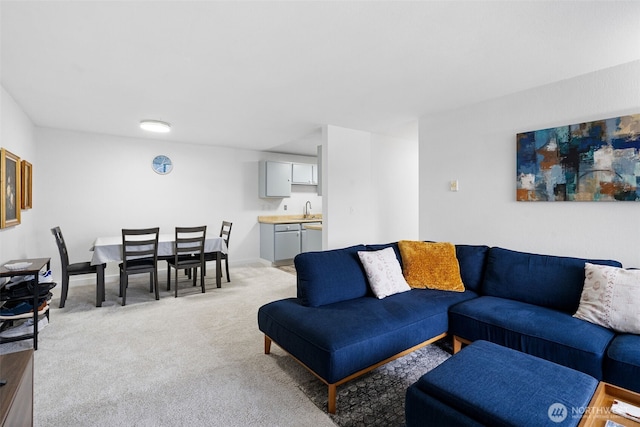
(431, 265)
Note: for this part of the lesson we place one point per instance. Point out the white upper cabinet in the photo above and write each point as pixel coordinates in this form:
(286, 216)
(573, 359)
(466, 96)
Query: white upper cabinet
(275, 179)
(303, 173)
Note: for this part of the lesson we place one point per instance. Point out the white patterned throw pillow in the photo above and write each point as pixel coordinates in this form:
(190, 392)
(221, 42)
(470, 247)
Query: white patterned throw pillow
(611, 298)
(383, 272)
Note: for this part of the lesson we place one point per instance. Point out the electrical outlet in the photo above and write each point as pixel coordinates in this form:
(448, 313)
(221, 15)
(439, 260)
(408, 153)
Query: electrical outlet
(285, 207)
(453, 185)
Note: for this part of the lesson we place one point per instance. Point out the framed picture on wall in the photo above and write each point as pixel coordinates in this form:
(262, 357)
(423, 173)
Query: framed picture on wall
(26, 182)
(9, 189)
(596, 161)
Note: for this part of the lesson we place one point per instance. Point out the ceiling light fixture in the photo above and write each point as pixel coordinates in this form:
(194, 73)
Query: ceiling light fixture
(155, 126)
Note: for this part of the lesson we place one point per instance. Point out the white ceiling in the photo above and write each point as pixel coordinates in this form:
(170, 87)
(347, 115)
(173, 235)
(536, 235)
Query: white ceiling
(267, 75)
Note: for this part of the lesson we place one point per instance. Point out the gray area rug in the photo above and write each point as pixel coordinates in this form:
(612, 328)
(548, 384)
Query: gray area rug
(377, 398)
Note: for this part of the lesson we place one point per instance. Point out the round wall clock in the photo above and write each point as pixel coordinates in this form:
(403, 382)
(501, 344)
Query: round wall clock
(162, 164)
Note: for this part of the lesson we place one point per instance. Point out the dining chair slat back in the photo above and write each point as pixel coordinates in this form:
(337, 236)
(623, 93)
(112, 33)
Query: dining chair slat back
(139, 255)
(76, 268)
(225, 233)
(188, 252)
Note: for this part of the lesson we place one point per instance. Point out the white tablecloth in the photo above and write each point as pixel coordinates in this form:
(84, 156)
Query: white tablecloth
(107, 249)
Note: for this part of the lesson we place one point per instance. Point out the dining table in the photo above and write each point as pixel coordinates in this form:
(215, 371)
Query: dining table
(109, 249)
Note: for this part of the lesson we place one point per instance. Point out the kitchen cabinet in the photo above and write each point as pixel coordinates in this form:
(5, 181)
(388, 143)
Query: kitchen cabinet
(279, 242)
(282, 237)
(274, 179)
(304, 173)
(311, 240)
(286, 241)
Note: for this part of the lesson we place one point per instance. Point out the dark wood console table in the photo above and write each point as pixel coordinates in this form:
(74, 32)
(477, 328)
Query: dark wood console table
(16, 396)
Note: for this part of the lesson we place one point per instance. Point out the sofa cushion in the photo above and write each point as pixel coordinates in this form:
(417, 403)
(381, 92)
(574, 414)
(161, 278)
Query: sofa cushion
(337, 340)
(330, 276)
(393, 245)
(611, 298)
(431, 265)
(544, 280)
(471, 259)
(539, 331)
(384, 273)
(479, 383)
(622, 362)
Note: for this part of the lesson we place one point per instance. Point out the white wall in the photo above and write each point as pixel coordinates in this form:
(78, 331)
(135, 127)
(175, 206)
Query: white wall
(395, 182)
(477, 146)
(348, 217)
(17, 136)
(94, 185)
(370, 188)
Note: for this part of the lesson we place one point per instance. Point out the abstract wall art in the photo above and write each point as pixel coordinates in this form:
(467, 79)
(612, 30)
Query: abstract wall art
(593, 161)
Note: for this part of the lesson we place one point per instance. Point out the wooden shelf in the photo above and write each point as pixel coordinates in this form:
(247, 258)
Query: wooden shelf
(599, 409)
(16, 396)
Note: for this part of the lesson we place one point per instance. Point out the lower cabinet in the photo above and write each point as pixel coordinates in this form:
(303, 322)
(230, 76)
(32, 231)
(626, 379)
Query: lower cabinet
(280, 243)
(311, 240)
(287, 243)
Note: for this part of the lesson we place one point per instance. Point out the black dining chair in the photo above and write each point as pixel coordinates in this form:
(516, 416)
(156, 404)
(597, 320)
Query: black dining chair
(139, 255)
(188, 254)
(225, 233)
(75, 269)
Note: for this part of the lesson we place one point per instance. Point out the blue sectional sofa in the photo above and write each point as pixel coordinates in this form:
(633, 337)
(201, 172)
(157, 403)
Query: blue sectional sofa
(337, 329)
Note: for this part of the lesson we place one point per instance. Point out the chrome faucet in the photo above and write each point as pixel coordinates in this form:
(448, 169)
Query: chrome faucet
(307, 210)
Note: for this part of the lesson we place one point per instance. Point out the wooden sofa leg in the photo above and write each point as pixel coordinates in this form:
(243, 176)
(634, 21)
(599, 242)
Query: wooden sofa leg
(457, 345)
(458, 342)
(267, 345)
(331, 402)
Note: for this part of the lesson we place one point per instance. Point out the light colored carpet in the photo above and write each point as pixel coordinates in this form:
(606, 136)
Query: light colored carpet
(288, 268)
(195, 360)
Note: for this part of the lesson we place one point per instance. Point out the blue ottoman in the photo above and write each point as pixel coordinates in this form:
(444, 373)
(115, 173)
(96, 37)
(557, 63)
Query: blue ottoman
(487, 384)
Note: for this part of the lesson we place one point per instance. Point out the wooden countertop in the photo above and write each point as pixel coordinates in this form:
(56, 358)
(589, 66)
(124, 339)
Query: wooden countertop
(312, 227)
(289, 219)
